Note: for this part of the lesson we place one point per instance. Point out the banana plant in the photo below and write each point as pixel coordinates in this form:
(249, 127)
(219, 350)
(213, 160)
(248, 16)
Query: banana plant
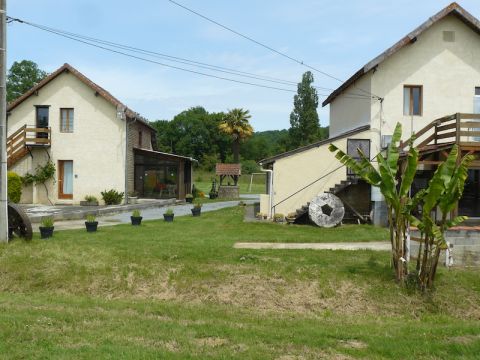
(394, 184)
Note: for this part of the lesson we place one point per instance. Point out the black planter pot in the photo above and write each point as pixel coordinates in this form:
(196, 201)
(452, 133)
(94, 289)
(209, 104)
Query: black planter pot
(91, 226)
(168, 218)
(46, 232)
(196, 211)
(136, 220)
(189, 200)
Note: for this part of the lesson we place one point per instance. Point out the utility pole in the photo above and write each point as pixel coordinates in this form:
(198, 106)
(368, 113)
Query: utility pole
(3, 123)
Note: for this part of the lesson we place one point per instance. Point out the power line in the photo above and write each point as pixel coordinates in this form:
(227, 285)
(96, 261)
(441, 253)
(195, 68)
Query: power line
(173, 58)
(301, 62)
(82, 39)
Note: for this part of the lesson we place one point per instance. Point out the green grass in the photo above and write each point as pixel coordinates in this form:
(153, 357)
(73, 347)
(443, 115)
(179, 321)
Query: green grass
(203, 182)
(180, 291)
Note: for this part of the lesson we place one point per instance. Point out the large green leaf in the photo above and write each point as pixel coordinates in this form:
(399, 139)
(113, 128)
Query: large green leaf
(410, 172)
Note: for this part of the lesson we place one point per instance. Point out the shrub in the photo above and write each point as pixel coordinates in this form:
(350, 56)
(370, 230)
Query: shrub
(112, 197)
(91, 218)
(169, 212)
(14, 185)
(249, 167)
(189, 196)
(91, 198)
(47, 222)
(278, 217)
(136, 213)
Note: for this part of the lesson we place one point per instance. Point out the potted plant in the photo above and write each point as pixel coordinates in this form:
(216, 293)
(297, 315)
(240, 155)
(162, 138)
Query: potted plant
(278, 218)
(291, 217)
(133, 197)
(90, 200)
(259, 216)
(168, 215)
(46, 227)
(136, 218)
(197, 209)
(189, 198)
(242, 203)
(91, 224)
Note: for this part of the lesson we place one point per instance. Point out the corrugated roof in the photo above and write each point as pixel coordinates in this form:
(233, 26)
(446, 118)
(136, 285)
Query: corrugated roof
(97, 88)
(314, 145)
(452, 9)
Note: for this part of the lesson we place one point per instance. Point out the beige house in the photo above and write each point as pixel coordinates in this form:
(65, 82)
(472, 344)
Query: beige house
(95, 142)
(431, 73)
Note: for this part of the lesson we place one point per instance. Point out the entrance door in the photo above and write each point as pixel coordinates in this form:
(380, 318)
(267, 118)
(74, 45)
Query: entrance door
(65, 179)
(469, 204)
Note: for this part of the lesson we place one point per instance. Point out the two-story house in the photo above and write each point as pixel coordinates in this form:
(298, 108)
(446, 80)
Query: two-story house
(430, 74)
(95, 142)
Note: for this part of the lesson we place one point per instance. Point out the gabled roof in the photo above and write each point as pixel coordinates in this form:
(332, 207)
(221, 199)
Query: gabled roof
(452, 9)
(228, 169)
(272, 159)
(67, 68)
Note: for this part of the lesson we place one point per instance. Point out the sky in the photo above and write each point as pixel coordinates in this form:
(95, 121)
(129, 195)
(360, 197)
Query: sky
(336, 37)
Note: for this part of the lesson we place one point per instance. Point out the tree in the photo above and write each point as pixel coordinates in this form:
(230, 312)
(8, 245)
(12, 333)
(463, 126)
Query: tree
(304, 122)
(395, 180)
(236, 125)
(21, 77)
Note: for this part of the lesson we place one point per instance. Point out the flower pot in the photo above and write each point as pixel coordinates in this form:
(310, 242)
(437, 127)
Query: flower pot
(46, 232)
(189, 200)
(196, 211)
(132, 200)
(168, 217)
(136, 220)
(91, 226)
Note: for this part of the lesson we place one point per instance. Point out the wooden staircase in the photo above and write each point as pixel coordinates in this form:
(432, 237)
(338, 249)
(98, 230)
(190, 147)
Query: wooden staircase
(20, 143)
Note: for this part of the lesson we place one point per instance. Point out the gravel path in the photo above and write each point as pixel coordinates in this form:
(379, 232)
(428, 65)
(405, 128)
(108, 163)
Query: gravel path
(148, 214)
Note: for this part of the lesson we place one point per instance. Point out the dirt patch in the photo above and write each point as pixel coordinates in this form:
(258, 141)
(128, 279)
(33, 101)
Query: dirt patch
(211, 342)
(464, 340)
(353, 344)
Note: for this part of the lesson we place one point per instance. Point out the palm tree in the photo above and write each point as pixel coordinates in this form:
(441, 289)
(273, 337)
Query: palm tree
(235, 124)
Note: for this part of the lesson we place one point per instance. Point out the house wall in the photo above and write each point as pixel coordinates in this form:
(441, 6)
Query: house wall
(293, 172)
(351, 109)
(134, 127)
(97, 145)
(448, 72)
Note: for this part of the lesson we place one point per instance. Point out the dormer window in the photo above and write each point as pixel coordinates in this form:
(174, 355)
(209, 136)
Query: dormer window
(412, 100)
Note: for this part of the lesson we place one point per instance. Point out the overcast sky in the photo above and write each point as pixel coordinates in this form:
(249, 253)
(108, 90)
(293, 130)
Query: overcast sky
(337, 37)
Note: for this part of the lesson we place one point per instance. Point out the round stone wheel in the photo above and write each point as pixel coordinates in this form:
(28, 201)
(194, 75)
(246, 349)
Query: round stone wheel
(19, 224)
(326, 210)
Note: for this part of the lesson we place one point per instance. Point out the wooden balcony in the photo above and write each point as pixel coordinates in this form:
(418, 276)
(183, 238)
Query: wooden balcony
(460, 129)
(25, 138)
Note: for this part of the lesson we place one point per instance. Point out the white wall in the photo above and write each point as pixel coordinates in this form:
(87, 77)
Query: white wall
(97, 145)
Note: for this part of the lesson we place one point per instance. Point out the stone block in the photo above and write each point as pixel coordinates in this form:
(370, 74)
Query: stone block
(228, 192)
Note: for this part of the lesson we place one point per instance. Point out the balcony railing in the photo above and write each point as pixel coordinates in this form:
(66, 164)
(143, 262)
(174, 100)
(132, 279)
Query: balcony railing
(24, 138)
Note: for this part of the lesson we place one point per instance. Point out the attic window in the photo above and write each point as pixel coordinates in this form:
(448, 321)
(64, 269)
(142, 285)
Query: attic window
(449, 36)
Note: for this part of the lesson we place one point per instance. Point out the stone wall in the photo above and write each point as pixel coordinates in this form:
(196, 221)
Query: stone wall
(464, 247)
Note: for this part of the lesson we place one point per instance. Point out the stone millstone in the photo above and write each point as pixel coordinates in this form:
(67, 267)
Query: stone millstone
(326, 210)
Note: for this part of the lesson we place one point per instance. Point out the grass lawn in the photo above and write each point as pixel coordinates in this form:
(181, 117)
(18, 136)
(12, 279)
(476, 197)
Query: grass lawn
(180, 291)
(203, 181)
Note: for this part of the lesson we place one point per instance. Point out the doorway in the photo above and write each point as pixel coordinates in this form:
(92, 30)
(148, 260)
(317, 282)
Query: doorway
(65, 179)
(469, 204)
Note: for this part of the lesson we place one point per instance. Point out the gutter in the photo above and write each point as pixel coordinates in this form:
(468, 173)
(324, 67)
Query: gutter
(270, 191)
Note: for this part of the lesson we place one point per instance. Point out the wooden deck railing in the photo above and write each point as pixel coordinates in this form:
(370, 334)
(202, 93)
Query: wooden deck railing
(461, 129)
(25, 137)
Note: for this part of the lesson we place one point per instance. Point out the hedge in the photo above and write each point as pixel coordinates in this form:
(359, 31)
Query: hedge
(14, 186)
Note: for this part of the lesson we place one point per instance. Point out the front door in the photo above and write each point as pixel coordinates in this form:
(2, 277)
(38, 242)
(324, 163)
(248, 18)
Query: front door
(65, 179)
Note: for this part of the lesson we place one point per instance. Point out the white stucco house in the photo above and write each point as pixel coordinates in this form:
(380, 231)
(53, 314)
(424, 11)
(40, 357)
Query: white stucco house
(431, 73)
(95, 142)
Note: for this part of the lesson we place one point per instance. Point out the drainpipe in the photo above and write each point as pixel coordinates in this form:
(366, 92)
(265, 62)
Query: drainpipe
(270, 191)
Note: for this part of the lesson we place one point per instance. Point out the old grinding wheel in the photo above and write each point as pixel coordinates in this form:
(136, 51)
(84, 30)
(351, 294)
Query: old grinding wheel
(326, 210)
(19, 224)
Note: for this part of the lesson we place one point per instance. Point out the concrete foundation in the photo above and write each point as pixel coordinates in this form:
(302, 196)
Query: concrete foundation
(228, 192)
(464, 247)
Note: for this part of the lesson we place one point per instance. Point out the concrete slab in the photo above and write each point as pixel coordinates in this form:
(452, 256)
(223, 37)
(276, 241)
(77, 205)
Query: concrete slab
(376, 246)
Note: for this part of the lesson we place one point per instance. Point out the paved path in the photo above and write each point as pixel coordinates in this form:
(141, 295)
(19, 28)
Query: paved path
(377, 246)
(148, 214)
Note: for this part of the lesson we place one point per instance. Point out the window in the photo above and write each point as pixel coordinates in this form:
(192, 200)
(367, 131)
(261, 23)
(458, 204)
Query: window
(412, 100)
(140, 139)
(476, 101)
(41, 120)
(66, 120)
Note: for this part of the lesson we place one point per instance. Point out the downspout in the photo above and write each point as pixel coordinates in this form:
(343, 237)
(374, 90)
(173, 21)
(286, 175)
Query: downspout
(270, 191)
